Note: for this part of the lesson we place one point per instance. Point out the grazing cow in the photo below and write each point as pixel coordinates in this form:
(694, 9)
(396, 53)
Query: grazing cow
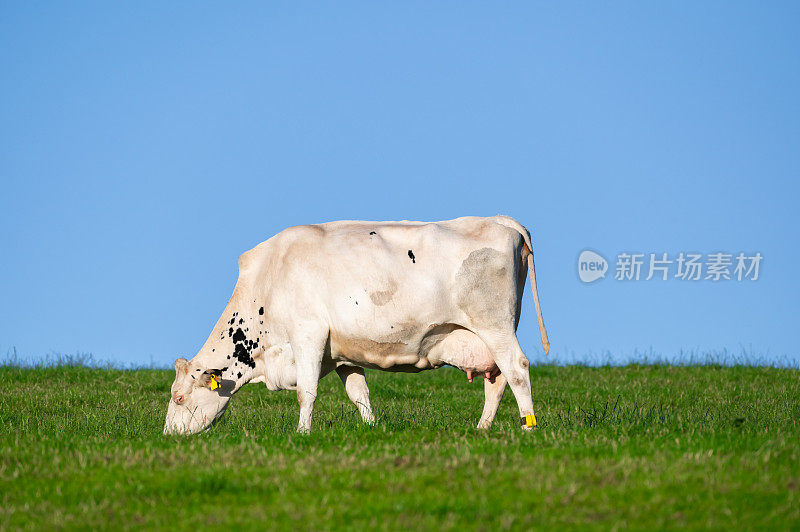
(395, 296)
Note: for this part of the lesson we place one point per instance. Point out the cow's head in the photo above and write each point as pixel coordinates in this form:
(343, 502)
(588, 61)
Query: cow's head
(199, 398)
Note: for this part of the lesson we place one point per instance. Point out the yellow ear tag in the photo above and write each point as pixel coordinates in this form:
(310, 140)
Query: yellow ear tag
(529, 421)
(213, 383)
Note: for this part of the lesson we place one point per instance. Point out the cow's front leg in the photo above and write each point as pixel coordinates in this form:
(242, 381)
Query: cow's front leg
(493, 393)
(356, 386)
(308, 358)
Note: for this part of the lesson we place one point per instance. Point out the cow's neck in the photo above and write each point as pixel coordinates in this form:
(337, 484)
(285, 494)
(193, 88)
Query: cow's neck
(237, 340)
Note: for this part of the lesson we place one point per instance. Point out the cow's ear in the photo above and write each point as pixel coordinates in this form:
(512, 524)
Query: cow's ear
(181, 365)
(212, 378)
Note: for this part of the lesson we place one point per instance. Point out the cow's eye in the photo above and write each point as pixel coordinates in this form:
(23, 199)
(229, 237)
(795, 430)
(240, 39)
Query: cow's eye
(179, 400)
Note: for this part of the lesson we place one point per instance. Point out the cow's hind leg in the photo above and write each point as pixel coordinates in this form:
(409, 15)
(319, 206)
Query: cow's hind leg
(493, 393)
(356, 386)
(514, 365)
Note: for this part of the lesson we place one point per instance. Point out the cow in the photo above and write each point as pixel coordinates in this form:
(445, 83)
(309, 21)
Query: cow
(348, 295)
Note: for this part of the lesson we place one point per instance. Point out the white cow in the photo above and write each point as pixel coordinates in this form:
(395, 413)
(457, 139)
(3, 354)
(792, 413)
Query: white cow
(395, 296)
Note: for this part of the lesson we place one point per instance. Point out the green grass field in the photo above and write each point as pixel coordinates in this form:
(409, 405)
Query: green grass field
(636, 447)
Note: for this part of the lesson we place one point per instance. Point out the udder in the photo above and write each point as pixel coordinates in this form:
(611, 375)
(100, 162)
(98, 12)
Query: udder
(463, 349)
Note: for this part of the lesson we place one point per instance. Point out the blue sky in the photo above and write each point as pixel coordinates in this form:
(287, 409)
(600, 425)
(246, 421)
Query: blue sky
(145, 146)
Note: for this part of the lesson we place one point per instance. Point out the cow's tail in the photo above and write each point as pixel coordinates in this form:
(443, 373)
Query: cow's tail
(526, 236)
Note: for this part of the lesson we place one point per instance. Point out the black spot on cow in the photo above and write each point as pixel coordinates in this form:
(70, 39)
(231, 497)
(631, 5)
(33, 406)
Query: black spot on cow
(372, 232)
(261, 311)
(241, 321)
(230, 332)
(213, 350)
(411, 256)
(229, 357)
(356, 302)
(239, 375)
(242, 348)
(261, 323)
(231, 322)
